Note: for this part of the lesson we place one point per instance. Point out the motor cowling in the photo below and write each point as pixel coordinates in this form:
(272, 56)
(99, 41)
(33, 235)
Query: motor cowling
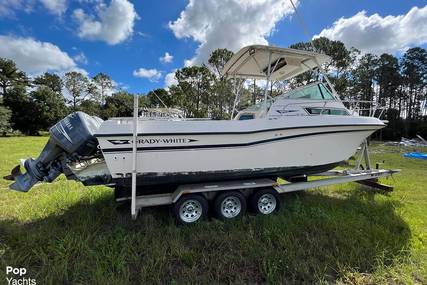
(71, 139)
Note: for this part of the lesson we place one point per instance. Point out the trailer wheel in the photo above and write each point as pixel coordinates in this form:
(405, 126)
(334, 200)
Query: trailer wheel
(190, 209)
(230, 205)
(265, 201)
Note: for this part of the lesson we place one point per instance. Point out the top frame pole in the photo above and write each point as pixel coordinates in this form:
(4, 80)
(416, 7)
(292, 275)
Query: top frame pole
(267, 83)
(134, 155)
(235, 97)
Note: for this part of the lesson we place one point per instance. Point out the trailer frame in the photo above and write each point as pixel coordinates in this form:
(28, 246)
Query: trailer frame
(333, 177)
(362, 173)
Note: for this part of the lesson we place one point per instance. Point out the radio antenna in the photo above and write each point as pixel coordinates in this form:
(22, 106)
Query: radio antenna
(158, 97)
(303, 25)
(305, 30)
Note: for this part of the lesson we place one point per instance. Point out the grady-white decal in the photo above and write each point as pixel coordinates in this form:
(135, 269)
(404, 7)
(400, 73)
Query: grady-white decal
(154, 141)
(165, 140)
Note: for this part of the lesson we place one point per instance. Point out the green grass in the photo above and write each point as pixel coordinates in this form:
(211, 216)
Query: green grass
(64, 233)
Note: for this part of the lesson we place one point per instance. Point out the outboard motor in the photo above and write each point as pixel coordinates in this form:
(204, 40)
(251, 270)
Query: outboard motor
(71, 139)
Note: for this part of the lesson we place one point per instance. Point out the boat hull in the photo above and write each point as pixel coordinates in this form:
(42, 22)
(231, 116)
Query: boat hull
(281, 149)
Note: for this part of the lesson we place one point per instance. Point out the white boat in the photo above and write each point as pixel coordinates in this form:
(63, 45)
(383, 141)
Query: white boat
(304, 131)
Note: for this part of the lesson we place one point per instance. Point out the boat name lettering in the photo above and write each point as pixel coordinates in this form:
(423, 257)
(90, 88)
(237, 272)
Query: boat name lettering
(163, 140)
(155, 141)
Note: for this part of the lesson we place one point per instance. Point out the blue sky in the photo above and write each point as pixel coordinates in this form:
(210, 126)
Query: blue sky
(126, 39)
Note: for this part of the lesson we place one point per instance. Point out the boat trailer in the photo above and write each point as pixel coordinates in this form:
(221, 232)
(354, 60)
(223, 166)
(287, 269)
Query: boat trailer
(368, 177)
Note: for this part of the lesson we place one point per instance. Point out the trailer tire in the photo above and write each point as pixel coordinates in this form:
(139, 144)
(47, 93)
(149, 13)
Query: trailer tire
(265, 201)
(229, 205)
(190, 209)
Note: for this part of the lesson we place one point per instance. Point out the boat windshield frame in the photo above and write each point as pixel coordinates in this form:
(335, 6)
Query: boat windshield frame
(271, 100)
(319, 84)
(308, 61)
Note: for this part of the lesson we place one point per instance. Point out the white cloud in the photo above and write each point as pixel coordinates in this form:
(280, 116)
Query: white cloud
(151, 74)
(378, 34)
(166, 58)
(229, 24)
(120, 86)
(170, 79)
(113, 23)
(35, 57)
(144, 35)
(8, 8)
(56, 7)
(81, 58)
(76, 69)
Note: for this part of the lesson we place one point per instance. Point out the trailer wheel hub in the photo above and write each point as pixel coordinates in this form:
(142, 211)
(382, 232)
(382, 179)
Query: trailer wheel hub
(231, 207)
(266, 204)
(190, 211)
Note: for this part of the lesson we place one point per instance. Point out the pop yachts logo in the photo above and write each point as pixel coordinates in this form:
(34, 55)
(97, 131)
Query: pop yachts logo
(154, 141)
(17, 276)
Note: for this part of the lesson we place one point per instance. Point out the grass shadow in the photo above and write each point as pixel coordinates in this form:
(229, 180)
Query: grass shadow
(313, 238)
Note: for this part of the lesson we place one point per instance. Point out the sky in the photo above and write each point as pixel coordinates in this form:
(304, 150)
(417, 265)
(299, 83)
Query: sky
(140, 44)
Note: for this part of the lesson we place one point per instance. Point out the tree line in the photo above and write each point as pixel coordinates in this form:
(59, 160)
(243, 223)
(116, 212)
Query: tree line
(399, 84)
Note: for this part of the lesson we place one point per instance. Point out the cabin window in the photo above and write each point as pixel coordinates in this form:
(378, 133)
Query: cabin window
(327, 111)
(341, 112)
(246, 117)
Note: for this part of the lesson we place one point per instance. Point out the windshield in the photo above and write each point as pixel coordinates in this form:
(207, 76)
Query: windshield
(312, 92)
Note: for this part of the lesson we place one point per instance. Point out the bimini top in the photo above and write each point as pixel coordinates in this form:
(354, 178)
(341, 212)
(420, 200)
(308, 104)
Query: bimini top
(285, 63)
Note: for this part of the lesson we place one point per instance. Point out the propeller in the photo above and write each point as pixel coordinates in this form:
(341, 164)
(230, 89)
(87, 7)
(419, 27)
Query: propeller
(16, 171)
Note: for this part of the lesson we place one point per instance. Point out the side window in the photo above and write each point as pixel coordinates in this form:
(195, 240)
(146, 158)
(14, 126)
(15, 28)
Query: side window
(317, 111)
(246, 117)
(341, 112)
(327, 111)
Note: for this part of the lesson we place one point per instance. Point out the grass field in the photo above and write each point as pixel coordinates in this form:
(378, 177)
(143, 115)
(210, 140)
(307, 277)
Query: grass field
(64, 233)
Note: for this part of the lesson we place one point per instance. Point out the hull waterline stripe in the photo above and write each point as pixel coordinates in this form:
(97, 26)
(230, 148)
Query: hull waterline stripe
(235, 133)
(166, 148)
